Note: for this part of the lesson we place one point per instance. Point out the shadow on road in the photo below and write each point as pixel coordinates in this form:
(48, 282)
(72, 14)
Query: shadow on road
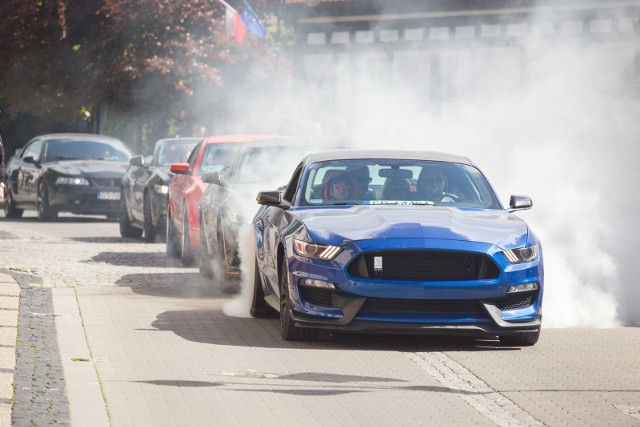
(138, 259)
(213, 327)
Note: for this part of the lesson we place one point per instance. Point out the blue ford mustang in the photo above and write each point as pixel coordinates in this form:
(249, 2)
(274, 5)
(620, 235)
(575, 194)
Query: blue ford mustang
(396, 241)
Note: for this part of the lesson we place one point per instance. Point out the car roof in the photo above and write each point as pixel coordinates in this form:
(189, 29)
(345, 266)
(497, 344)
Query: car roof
(357, 154)
(180, 139)
(78, 136)
(217, 139)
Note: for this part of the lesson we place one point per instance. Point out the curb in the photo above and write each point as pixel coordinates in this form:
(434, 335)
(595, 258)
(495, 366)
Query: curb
(9, 305)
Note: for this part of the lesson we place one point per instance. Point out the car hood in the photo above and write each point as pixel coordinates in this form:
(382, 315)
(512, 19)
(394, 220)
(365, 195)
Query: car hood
(90, 168)
(335, 225)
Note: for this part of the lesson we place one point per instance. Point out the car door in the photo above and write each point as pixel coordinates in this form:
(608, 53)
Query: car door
(139, 178)
(180, 184)
(27, 172)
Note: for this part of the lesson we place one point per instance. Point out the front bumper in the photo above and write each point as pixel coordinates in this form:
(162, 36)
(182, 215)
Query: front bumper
(471, 307)
(85, 200)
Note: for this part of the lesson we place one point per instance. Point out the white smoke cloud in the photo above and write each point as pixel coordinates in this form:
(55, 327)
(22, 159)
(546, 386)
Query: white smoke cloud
(564, 129)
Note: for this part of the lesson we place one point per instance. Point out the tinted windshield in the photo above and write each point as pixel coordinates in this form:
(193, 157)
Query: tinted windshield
(268, 165)
(60, 149)
(216, 157)
(173, 151)
(405, 182)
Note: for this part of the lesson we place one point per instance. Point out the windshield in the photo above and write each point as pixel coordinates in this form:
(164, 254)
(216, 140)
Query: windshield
(60, 149)
(268, 165)
(174, 151)
(397, 182)
(216, 157)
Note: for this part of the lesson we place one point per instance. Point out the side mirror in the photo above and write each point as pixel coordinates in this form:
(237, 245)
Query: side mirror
(269, 198)
(518, 203)
(31, 159)
(137, 160)
(180, 168)
(212, 178)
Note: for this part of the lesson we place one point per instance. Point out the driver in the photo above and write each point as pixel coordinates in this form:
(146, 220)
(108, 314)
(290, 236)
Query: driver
(359, 179)
(431, 184)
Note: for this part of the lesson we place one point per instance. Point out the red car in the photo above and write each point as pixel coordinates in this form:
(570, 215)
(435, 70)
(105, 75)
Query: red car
(212, 154)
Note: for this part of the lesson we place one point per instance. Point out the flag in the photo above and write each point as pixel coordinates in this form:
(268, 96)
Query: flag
(251, 21)
(236, 28)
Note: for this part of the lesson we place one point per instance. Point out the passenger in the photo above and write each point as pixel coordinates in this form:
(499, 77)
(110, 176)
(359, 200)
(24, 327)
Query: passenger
(396, 188)
(431, 185)
(359, 179)
(337, 185)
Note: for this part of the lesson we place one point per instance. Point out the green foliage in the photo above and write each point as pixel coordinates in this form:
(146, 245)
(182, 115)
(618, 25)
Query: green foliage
(63, 59)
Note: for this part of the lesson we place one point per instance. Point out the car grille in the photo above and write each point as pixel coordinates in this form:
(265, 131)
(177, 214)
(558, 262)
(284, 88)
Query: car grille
(422, 306)
(327, 298)
(517, 300)
(106, 182)
(424, 265)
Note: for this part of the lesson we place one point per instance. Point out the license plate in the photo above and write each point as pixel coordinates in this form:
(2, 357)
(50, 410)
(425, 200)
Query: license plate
(109, 195)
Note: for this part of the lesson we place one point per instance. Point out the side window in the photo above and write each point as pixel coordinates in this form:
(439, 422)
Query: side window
(33, 150)
(194, 155)
(292, 186)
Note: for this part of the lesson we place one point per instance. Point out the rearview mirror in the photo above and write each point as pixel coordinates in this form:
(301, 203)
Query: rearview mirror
(395, 173)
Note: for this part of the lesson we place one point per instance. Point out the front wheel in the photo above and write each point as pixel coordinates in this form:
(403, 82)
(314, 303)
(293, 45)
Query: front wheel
(259, 307)
(171, 238)
(149, 229)
(10, 210)
(288, 330)
(126, 229)
(205, 265)
(520, 339)
(186, 252)
(45, 211)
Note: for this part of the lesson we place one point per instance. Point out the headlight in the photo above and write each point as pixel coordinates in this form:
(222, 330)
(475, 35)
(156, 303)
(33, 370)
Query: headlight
(161, 189)
(70, 180)
(315, 250)
(521, 255)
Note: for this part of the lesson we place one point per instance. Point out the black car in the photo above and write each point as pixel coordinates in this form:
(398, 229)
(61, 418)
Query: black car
(228, 203)
(145, 188)
(70, 172)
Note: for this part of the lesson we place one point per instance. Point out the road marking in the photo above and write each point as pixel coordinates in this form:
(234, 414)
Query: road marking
(632, 411)
(474, 391)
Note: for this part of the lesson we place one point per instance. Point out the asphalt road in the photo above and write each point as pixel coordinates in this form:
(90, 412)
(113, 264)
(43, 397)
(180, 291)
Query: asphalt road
(111, 332)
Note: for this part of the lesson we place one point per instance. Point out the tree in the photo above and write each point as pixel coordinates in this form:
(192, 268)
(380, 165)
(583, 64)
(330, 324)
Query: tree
(148, 58)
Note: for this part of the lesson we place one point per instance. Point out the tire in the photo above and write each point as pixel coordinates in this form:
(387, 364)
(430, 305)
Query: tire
(10, 210)
(171, 238)
(205, 267)
(228, 284)
(45, 211)
(259, 307)
(186, 253)
(288, 330)
(126, 229)
(521, 339)
(149, 229)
